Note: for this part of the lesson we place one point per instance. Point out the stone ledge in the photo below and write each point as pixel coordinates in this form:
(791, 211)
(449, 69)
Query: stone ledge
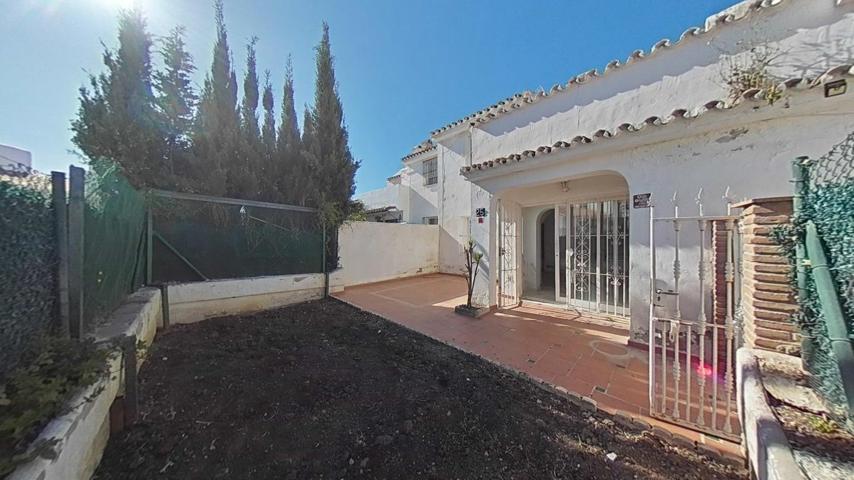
(83, 431)
(768, 452)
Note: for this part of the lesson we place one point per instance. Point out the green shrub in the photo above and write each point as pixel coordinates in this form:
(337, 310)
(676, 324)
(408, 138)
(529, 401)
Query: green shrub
(40, 389)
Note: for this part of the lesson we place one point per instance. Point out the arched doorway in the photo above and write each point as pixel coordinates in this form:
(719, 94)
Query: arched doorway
(546, 241)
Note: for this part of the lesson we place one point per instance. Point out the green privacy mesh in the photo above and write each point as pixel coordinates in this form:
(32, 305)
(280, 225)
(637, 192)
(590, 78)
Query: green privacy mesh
(113, 242)
(198, 239)
(27, 265)
(828, 201)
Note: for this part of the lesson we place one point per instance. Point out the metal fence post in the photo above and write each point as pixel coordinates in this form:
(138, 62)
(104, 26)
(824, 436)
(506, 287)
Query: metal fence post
(76, 206)
(323, 258)
(131, 397)
(799, 175)
(60, 208)
(149, 246)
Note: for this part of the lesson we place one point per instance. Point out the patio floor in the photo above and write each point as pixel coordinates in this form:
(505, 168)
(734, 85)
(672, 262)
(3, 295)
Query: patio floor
(550, 344)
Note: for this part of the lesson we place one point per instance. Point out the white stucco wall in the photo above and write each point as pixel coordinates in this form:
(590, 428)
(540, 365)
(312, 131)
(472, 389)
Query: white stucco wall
(387, 196)
(810, 35)
(455, 209)
(748, 149)
(423, 200)
(374, 252)
(197, 301)
(753, 164)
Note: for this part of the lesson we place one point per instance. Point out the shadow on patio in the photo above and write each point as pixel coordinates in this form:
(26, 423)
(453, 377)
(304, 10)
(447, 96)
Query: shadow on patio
(548, 344)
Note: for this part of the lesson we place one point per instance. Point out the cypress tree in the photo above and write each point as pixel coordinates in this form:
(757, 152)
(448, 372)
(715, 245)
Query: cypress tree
(246, 173)
(291, 177)
(116, 121)
(328, 151)
(217, 126)
(176, 101)
(307, 193)
(268, 179)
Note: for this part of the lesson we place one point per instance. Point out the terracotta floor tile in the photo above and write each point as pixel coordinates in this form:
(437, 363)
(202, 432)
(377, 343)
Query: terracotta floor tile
(550, 344)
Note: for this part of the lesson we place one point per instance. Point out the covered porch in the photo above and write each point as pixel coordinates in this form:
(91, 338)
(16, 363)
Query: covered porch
(563, 348)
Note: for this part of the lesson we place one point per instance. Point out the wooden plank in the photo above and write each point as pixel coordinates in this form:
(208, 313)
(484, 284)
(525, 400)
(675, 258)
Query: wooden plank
(60, 208)
(76, 206)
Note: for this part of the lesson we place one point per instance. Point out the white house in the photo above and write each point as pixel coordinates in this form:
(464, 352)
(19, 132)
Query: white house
(544, 181)
(15, 159)
(428, 190)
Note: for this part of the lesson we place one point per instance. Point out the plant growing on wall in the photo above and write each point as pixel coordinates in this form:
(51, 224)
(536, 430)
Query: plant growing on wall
(752, 70)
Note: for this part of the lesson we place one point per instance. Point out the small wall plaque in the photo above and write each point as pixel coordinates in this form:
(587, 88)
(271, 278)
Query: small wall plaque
(641, 200)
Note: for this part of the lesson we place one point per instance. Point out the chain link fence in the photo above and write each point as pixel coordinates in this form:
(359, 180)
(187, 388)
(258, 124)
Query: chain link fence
(826, 201)
(115, 239)
(197, 237)
(113, 242)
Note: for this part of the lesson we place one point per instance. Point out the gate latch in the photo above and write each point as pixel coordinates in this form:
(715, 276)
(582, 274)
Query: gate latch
(659, 292)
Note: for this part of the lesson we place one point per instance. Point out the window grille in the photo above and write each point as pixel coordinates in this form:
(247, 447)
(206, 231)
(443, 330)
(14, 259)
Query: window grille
(431, 172)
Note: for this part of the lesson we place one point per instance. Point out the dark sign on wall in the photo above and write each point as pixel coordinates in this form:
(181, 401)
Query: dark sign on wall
(641, 200)
(480, 213)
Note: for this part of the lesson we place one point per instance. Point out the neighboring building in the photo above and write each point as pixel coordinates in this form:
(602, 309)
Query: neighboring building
(15, 160)
(544, 181)
(428, 190)
(383, 204)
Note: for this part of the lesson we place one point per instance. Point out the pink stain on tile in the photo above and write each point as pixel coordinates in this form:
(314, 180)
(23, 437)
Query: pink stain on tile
(551, 344)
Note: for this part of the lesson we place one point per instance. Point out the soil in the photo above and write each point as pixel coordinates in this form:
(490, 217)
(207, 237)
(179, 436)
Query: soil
(801, 430)
(802, 419)
(324, 390)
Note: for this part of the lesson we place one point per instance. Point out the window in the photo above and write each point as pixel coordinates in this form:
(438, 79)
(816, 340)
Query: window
(430, 171)
(430, 220)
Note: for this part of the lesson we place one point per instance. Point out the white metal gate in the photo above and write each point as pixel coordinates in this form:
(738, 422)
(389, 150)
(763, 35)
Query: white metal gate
(508, 254)
(596, 237)
(691, 358)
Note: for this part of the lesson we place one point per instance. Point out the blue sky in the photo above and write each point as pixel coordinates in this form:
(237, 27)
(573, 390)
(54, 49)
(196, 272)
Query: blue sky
(404, 67)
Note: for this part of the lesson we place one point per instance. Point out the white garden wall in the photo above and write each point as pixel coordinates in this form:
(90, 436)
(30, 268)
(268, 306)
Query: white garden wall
(197, 301)
(374, 252)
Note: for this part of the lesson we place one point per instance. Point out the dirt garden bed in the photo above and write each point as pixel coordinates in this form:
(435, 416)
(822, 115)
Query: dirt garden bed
(323, 390)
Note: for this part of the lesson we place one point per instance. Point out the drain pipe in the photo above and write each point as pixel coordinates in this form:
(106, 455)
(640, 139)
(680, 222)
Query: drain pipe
(836, 329)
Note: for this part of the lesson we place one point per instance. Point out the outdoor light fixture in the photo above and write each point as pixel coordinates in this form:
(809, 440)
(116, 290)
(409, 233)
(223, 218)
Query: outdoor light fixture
(564, 186)
(838, 87)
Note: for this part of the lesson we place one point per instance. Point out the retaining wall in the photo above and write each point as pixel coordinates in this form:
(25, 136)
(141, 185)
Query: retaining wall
(197, 301)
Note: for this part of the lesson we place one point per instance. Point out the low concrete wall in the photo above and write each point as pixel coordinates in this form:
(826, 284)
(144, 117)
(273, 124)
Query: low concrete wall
(374, 252)
(194, 302)
(768, 452)
(82, 433)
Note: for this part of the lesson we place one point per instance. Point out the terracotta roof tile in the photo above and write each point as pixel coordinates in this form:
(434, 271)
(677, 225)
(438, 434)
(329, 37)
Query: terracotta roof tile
(425, 146)
(680, 114)
(520, 100)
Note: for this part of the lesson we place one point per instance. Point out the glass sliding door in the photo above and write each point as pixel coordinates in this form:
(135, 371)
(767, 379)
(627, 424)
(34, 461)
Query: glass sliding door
(594, 256)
